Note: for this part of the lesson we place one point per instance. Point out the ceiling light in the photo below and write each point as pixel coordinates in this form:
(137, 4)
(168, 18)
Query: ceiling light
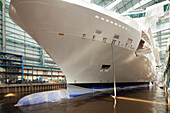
(96, 16)
(116, 24)
(102, 18)
(107, 20)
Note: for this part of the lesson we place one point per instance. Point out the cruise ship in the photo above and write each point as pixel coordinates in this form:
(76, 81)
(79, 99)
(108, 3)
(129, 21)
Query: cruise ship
(90, 44)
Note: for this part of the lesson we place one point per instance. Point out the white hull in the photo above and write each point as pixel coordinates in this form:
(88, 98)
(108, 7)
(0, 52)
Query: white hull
(81, 59)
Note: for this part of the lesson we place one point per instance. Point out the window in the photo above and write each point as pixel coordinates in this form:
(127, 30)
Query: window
(105, 68)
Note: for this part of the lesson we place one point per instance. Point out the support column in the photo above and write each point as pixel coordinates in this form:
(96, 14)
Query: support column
(22, 69)
(32, 74)
(3, 28)
(42, 57)
(51, 74)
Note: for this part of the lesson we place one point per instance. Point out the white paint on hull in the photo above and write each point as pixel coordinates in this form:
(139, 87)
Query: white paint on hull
(81, 59)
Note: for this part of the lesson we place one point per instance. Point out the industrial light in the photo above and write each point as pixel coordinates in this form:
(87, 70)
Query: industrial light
(107, 20)
(96, 16)
(102, 18)
(149, 68)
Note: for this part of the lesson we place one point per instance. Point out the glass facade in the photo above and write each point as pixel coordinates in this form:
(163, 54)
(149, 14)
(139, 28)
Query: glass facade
(18, 41)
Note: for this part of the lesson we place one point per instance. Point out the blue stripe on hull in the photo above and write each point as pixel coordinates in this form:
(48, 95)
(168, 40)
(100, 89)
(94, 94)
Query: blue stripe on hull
(109, 85)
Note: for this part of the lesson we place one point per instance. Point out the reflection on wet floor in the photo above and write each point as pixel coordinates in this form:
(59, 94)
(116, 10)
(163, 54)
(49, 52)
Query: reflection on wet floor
(95, 103)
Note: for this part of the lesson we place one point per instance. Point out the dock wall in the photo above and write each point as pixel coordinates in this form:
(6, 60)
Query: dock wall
(36, 87)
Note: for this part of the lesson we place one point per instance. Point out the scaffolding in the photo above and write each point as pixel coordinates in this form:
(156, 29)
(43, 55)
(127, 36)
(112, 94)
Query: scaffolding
(11, 66)
(13, 71)
(143, 13)
(15, 40)
(40, 74)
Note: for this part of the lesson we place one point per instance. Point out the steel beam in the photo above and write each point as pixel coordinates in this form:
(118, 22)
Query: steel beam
(3, 28)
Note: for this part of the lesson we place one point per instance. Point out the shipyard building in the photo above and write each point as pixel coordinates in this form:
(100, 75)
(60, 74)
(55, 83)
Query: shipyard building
(68, 48)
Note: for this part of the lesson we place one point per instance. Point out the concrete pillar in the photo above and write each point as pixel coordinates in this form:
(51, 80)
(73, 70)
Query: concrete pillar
(10, 89)
(26, 88)
(54, 87)
(38, 88)
(41, 87)
(19, 89)
(168, 96)
(29, 88)
(15, 89)
(1, 91)
(7, 91)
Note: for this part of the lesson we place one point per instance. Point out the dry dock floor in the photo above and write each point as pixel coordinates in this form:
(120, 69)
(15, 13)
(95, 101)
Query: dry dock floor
(145, 100)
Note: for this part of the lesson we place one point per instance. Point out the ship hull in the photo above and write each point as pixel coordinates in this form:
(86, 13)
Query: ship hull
(110, 86)
(74, 44)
